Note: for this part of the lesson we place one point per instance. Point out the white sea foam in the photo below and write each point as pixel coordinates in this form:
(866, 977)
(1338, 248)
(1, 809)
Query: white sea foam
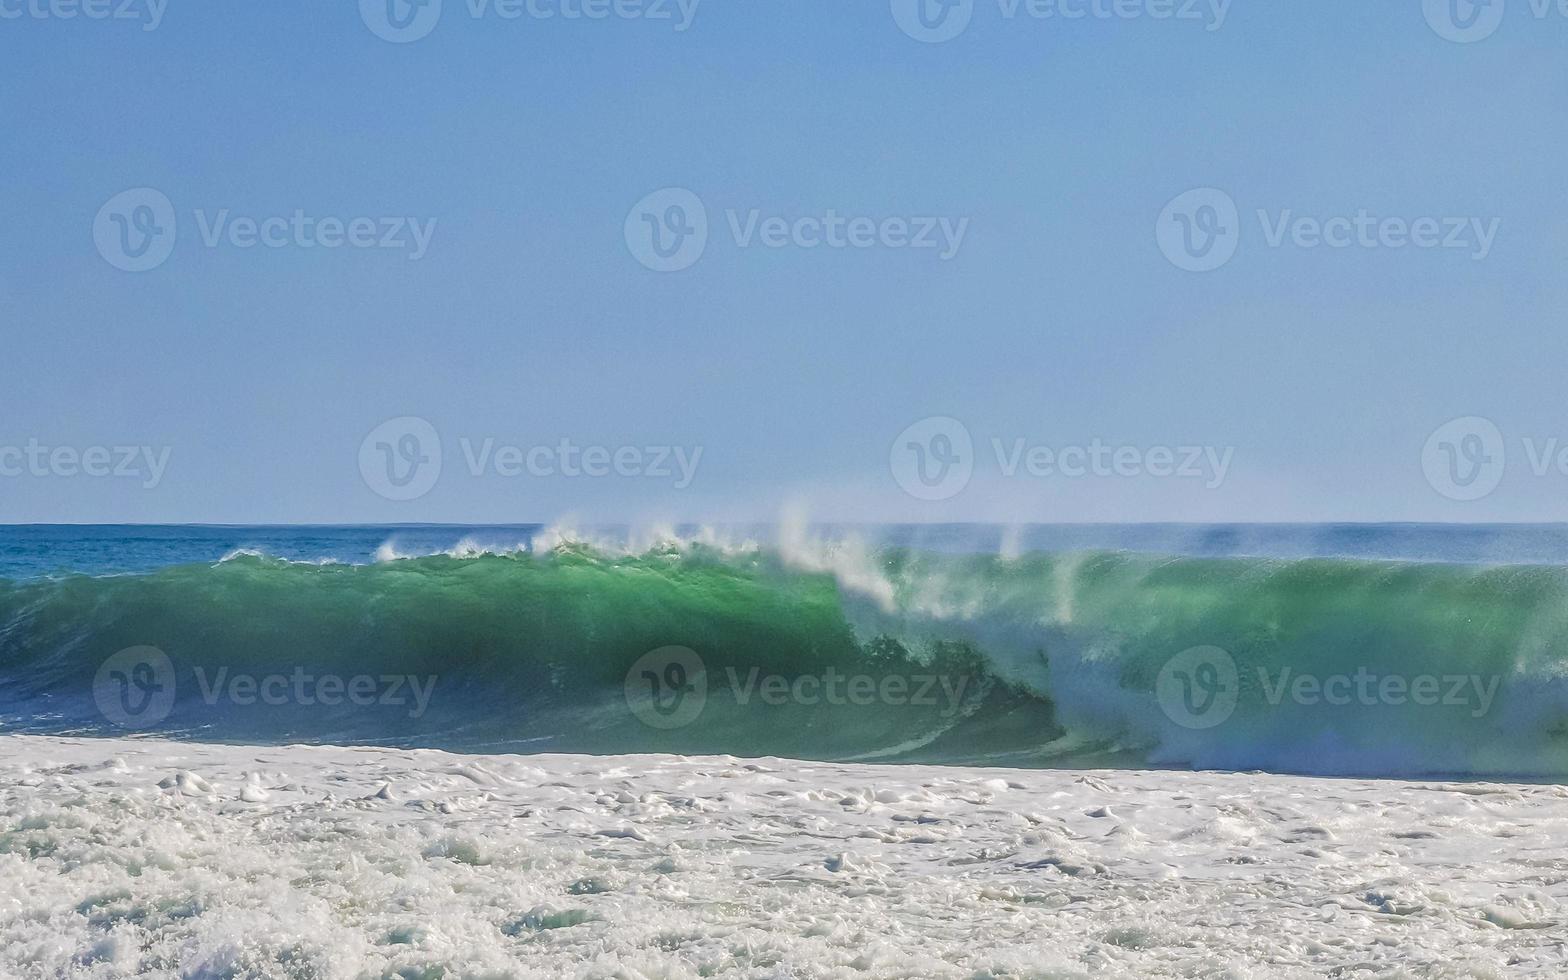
(467, 547)
(850, 560)
(642, 540)
(566, 535)
(137, 858)
(239, 554)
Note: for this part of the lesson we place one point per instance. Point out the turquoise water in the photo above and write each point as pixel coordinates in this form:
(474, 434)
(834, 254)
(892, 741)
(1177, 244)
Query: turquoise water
(1395, 650)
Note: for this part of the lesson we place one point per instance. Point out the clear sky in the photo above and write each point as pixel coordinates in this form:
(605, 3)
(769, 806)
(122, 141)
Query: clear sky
(1046, 317)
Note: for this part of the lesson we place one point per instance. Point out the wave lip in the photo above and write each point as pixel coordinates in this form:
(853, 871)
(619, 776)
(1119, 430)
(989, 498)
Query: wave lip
(830, 650)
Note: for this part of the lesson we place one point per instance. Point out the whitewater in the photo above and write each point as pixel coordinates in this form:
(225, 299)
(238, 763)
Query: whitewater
(123, 858)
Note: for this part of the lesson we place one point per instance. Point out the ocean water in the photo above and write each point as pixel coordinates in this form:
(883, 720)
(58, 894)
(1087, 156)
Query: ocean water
(1385, 650)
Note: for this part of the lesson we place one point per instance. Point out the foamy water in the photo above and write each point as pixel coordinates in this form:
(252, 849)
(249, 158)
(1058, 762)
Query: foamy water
(122, 858)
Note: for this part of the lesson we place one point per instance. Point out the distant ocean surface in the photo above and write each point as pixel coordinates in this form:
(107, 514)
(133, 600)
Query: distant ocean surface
(31, 551)
(1326, 649)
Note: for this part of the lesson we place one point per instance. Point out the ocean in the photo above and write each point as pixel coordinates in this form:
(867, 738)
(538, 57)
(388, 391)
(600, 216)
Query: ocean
(1341, 650)
(958, 752)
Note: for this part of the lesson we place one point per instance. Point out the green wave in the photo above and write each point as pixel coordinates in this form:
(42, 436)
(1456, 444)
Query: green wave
(1045, 660)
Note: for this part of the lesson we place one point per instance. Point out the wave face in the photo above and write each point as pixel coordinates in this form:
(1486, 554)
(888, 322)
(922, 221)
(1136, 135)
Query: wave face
(1325, 666)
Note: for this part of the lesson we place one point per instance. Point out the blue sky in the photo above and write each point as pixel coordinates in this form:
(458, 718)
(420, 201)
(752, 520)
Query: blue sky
(1056, 322)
